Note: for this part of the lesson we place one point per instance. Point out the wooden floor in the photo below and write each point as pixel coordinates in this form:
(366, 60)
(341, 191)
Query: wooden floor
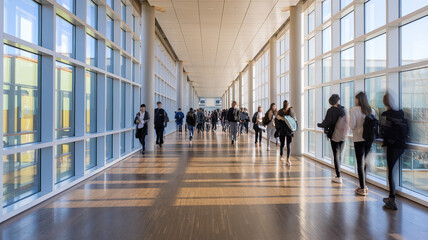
(212, 190)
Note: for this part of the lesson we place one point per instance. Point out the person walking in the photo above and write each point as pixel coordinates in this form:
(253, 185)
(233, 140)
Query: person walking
(258, 125)
(214, 120)
(336, 131)
(233, 119)
(179, 117)
(357, 118)
(286, 134)
(270, 123)
(200, 116)
(161, 120)
(246, 119)
(394, 131)
(191, 123)
(141, 120)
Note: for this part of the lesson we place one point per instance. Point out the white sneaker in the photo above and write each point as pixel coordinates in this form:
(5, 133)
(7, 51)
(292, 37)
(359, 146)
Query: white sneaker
(282, 159)
(268, 148)
(337, 179)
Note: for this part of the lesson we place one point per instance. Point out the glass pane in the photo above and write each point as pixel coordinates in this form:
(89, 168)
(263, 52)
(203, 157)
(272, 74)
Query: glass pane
(375, 14)
(311, 142)
(21, 97)
(123, 66)
(349, 154)
(326, 70)
(123, 104)
(109, 59)
(123, 10)
(123, 39)
(347, 95)
(91, 102)
(311, 21)
(109, 147)
(64, 99)
(375, 89)
(311, 108)
(311, 74)
(326, 94)
(415, 171)
(376, 162)
(311, 48)
(91, 50)
(64, 160)
(64, 37)
(21, 176)
(92, 14)
(109, 105)
(110, 31)
(90, 153)
(347, 63)
(375, 54)
(110, 3)
(414, 101)
(326, 10)
(413, 41)
(67, 4)
(408, 6)
(22, 20)
(122, 143)
(347, 28)
(326, 152)
(326, 40)
(344, 3)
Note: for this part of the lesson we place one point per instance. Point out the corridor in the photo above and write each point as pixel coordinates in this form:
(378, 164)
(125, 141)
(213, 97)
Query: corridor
(212, 190)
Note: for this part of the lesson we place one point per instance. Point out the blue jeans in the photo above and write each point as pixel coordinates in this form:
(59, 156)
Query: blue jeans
(191, 129)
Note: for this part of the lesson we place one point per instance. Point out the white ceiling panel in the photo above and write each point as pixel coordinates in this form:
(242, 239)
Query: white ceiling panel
(216, 38)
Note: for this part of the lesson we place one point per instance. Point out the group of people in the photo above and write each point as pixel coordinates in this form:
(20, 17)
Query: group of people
(281, 124)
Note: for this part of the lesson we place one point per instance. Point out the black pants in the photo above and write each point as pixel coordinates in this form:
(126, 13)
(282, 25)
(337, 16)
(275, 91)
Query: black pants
(282, 139)
(142, 138)
(392, 156)
(159, 135)
(362, 149)
(337, 148)
(214, 126)
(246, 126)
(259, 134)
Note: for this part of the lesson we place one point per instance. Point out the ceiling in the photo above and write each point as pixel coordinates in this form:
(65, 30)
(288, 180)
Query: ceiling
(216, 38)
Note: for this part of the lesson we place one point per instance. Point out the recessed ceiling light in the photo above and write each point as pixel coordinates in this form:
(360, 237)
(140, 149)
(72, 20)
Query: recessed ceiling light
(160, 9)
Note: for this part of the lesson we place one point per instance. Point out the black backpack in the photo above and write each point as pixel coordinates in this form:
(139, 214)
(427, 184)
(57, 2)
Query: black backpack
(370, 128)
(266, 120)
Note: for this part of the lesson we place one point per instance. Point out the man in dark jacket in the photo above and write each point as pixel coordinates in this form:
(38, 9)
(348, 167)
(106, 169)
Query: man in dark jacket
(179, 117)
(233, 118)
(191, 123)
(141, 120)
(201, 120)
(223, 119)
(161, 119)
(214, 120)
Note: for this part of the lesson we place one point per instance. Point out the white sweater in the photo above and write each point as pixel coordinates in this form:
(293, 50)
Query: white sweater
(356, 123)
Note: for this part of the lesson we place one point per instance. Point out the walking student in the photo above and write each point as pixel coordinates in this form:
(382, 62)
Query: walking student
(200, 118)
(258, 125)
(141, 120)
(286, 124)
(214, 120)
(270, 123)
(191, 123)
(357, 119)
(161, 120)
(233, 119)
(179, 117)
(335, 126)
(394, 130)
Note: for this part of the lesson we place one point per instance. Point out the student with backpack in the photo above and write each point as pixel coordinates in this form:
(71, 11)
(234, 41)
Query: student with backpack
(394, 130)
(191, 123)
(258, 125)
(141, 120)
(286, 124)
(179, 117)
(269, 122)
(335, 126)
(233, 118)
(362, 122)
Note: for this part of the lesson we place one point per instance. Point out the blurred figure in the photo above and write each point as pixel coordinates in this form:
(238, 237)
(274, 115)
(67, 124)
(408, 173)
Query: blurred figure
(233, 118)
(179, 116)
(191, 123)
(214, 120)
(258, 125)
(200, 116)
(161, 120)
(286, 121)
(270, 123)
(141, 120)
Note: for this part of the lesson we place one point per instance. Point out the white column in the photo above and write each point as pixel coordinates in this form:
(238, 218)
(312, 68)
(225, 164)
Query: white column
(180, 84)
(296, 88)
(272, 70)
(233, 86)
(240, 89)
(250, 87)
(148, 66)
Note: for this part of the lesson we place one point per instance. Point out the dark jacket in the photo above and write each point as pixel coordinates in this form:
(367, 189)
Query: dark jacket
(161, 118)
(191, 119)
(331, 118)
(143, 130)
(179, 116)
(394, 129)
(214, 117)
(200, 117)
(233, 115)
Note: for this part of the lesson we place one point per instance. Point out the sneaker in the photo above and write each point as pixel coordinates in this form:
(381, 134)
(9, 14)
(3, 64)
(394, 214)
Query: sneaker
(268, 148)
(288, 162)
(362, 192)
(390, 203)
(337, 179)
(282, 158)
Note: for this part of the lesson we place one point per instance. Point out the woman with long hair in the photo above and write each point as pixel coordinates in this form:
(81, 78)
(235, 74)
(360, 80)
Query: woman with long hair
(285, 133)
(270, 128)
(357, 116)
(258, 122)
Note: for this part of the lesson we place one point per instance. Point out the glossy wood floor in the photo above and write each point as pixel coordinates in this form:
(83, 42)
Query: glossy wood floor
(212, 190)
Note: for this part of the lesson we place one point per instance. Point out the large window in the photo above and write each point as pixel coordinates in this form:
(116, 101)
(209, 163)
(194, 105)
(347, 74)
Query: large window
(408, 6)
(67, 4)
(92, 14)
(109, 104)
(21, 176)
(375, 14)
(261, 82)
(244, 89)
(90, 153)
(347, 28)
(21, 99)
(326, 93)
(344, 3)
(326, 40)
(413, 41)
(109, 59)
(91, 102)
(326, 10)
(311, 74)
(283, 68)
(311, 108)
(123, 32)
(64, 161)
(110, 28)
(311, 48)
(91, 50)
(123, 10)
(311, 21)
(109, 147)
(347, 100)
(122, 104)
(347, 63)
(64, 99)
(65, 35)
(326, 69)
(375, 54)
(22, 20)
